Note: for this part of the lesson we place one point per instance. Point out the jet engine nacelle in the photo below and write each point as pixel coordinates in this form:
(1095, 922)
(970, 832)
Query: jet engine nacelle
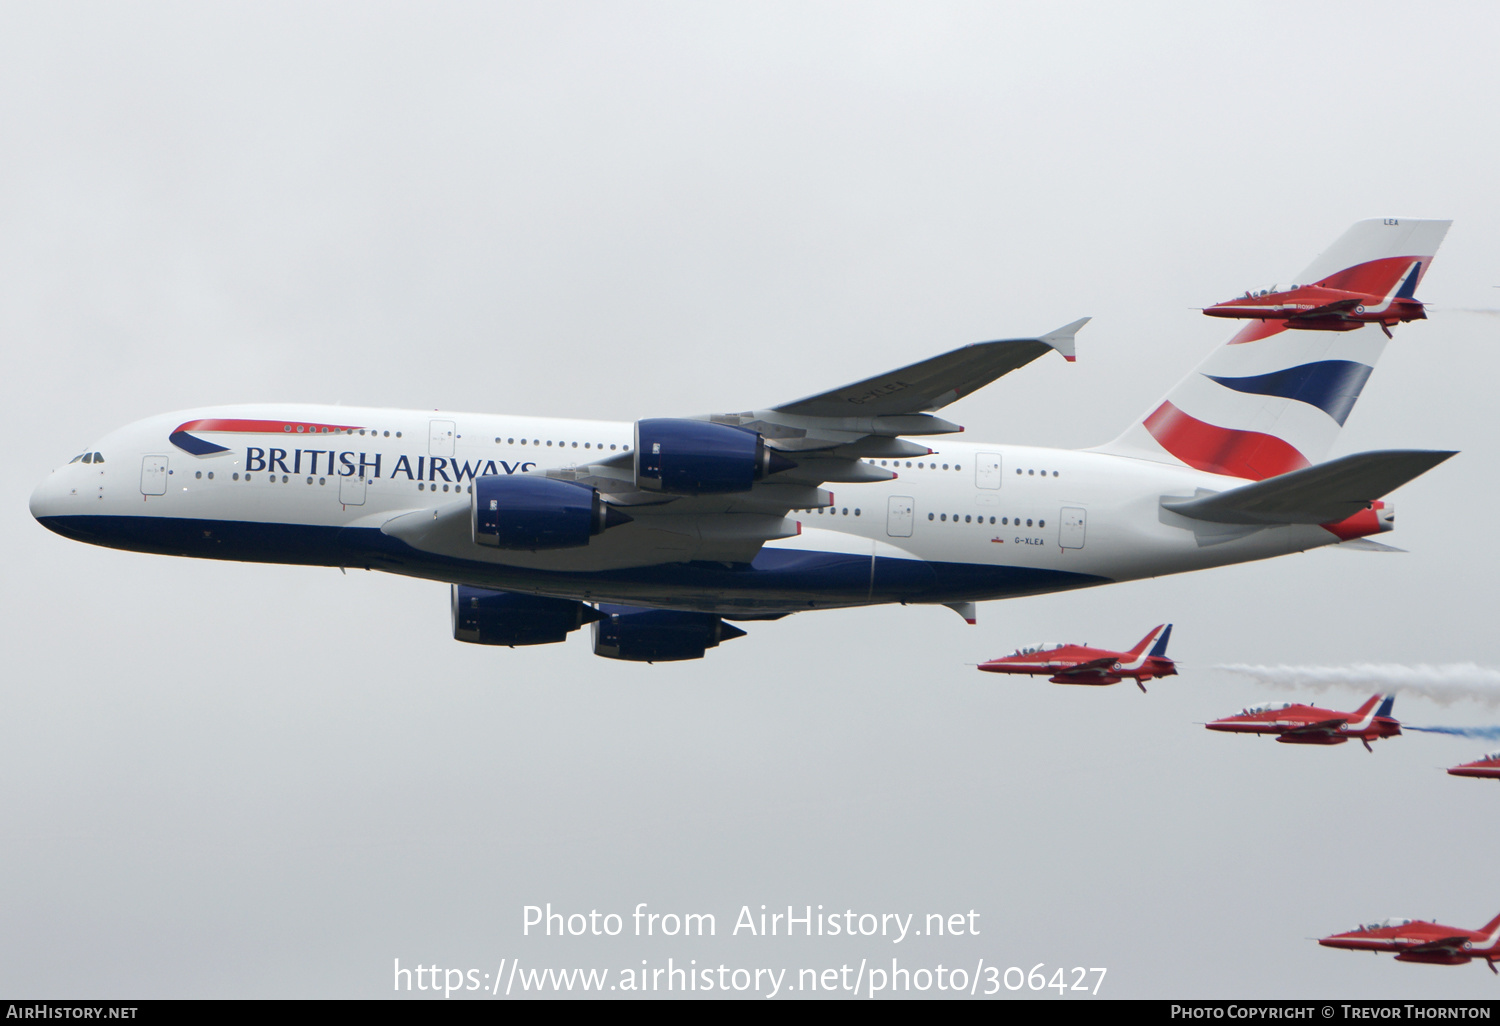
(505, 618)
(657, 635)
(526, 512)
(694, 457)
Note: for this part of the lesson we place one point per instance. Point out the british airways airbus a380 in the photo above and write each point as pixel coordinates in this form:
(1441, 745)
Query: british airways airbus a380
(661, 531)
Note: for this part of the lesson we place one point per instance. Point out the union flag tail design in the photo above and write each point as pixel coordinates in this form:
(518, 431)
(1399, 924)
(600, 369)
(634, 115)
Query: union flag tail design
(1272, 400)
(1159, 650)
(1137, 656)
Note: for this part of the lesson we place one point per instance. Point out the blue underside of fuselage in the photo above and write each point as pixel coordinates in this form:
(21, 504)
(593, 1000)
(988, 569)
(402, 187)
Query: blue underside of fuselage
(778, 580)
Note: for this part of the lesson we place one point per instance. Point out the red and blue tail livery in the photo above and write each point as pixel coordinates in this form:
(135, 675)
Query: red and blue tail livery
(1273, 399)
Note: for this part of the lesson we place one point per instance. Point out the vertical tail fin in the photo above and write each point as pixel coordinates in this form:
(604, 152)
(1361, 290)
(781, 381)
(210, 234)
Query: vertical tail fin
(1362, 717)
(1160, 648)
(1140, 647)
(1385, 707)
(1491, 932)
(1272, 400)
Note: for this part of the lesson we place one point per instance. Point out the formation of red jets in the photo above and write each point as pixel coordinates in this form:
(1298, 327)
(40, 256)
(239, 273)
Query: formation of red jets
(1337, 303)
(1412, 940)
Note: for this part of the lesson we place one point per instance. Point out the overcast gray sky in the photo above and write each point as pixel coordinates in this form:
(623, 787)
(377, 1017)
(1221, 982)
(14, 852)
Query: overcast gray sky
(232, 780)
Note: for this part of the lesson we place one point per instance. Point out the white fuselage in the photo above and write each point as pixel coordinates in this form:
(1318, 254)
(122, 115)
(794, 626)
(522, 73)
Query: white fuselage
(967, 523)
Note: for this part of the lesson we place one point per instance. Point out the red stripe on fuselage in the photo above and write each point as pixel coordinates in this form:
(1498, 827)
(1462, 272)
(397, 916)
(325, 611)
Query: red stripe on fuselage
(1217, 450)
(264, 427)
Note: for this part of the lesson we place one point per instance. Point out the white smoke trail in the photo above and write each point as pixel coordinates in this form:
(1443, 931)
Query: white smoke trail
(1444, 683)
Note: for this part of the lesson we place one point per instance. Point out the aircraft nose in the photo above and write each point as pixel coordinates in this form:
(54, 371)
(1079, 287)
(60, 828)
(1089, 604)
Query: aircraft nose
(49, 499)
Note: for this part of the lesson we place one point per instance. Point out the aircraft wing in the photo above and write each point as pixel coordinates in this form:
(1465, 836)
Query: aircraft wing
(934, 383)
(838, 436)
(1092, 668)
(833, 437)
(1441, 944)
(1321, 494)
(1328, 309)
(1321, 727)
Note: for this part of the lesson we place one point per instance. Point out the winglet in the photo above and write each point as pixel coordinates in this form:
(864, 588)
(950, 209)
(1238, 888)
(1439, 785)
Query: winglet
(1062, 338)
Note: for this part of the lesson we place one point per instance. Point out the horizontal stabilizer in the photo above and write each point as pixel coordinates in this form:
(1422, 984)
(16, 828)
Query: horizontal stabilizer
(1322, 494)
(1367, 545)
(933, 384)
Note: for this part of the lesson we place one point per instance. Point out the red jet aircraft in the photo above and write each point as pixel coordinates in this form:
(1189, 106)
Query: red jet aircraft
(1309, 725)
(1335, 303)
(1489, 766)
(1415, 940)
(1079, 664)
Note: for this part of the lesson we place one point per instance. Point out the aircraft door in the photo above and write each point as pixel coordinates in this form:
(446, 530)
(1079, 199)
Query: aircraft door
(1074, 523)
(154, 475)
(440, 438)
(352, 490)
(898, 516)
(987, 470)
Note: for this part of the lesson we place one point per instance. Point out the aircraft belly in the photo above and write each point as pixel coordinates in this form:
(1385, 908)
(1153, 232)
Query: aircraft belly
(783, 580)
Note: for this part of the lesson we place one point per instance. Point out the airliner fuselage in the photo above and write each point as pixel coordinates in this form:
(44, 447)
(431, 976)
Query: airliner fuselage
(334, 486)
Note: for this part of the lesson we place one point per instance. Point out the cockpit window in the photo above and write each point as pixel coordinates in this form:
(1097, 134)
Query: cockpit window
(75, 459)
(1266, 707)
(98, 457)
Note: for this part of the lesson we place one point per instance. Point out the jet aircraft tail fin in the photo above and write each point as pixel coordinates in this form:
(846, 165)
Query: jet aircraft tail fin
(1362, 716)
(1159, 650)
(1159, 631)
(1386, 706)
(1273, 400)
(1491, 932)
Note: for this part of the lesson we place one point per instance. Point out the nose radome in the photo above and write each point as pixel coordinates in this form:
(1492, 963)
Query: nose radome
(47, 500)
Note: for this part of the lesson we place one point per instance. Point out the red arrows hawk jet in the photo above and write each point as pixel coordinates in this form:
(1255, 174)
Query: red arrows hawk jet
(1489, 766)
(1079, 664)
(1415, 940)
(1380, 292)
(1309, 725)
